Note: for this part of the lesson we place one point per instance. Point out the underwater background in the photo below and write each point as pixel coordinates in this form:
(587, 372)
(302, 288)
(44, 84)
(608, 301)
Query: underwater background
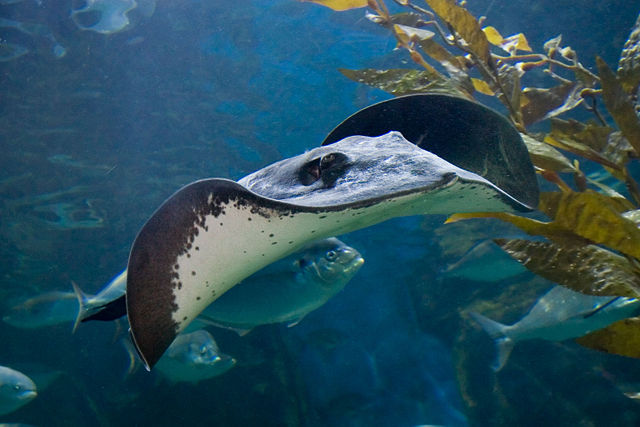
(97, 129)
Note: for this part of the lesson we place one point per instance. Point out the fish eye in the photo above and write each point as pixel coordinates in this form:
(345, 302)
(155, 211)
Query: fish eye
(17, 387)
(302, 263)
(331, 255)
(203, 349)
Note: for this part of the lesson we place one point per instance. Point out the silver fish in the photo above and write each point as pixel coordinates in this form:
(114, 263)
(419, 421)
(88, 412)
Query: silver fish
(16, 390)
(194, 357)
(558, 315)
(11, 51)
(109, 16)
(98, 306)
(287, 290)
(283, 292)
(47, 309)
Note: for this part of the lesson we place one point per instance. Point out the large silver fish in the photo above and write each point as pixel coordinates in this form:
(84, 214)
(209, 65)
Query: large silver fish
(559, 315)
(47, 309)
(283, 292)
(287, 290)
(194, 357)
(426, 154)
(16, 390)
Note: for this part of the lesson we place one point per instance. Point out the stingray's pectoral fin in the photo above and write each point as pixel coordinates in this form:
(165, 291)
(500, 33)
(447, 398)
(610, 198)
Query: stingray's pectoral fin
(462, 132)
(204, 239)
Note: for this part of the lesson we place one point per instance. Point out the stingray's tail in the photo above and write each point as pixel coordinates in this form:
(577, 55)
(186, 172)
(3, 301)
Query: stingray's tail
(497, 331)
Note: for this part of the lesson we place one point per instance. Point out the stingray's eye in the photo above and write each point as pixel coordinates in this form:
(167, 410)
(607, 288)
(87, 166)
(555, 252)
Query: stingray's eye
(331, 255)
(333, 166)
(310, 172)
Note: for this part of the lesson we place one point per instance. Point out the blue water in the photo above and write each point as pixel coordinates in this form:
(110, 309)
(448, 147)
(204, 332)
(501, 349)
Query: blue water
(96, 130)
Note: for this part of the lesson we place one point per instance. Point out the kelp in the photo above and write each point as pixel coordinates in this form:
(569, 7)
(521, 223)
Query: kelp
(619, 105)
(589, 269)
(591, 242)
(403, 81)
(629, 64)
(546, 157)
(341, 5)
(621, 338)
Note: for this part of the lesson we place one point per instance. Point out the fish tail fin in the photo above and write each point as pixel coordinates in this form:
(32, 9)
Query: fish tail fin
(133, 357)
(82, 304)
(504, 346)
(497, 331)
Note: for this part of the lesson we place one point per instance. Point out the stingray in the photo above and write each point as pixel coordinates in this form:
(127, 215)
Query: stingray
(397, 158)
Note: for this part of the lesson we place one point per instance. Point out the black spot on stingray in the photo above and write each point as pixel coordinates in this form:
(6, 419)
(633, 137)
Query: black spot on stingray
(206, 228)
(185, 318)
(196, 232)
(193, 273)
(197, 248)
(221, 224)
(177, 266)
(244, 252)
(271, 235)
(322, 216)
(198, 298)
(262, 231)
(313, 231)
(188, 246)
(262, 254)
(291, 242)
(188, 255)
(274, 243)
(248, 219)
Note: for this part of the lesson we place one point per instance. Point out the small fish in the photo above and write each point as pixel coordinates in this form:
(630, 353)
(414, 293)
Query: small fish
(558, 315)
(288, 290)
(8, 2)
(193, 357)
(47, 309)
(16, 390)
(102, 305)
(485, 262)
(11, 51)
(108, 16)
